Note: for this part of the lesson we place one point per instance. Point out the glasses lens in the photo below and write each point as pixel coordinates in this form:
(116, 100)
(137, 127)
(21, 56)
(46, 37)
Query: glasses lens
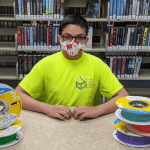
(67, 38)
(81, 39)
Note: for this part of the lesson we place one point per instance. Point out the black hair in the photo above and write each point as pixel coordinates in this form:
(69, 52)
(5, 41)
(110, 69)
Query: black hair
(73, 19)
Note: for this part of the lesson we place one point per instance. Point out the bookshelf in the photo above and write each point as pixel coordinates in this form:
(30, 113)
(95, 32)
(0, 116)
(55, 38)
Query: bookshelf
(101, 46)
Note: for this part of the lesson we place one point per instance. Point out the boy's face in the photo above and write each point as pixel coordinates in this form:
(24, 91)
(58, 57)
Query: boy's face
(74, 31)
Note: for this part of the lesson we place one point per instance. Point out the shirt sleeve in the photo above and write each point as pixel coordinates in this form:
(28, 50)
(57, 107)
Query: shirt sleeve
(108, 83)
(33, 83)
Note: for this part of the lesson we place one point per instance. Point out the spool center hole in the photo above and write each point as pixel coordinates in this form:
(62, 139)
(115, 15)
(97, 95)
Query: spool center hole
(138, 104)
(1, 106)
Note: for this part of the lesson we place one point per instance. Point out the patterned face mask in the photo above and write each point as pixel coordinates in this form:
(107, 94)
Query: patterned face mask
(72, 48)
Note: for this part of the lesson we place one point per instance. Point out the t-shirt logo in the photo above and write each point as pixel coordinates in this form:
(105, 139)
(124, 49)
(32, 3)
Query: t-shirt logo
(81, 84)
(84, 83)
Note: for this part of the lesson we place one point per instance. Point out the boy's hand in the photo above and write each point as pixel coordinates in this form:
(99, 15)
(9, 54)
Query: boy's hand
(85, 112)
(58, 111)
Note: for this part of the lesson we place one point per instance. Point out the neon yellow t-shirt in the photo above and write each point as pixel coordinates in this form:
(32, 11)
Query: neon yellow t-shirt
(58, 81)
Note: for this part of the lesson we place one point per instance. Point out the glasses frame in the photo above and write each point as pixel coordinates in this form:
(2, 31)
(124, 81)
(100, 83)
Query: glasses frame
(85, 37)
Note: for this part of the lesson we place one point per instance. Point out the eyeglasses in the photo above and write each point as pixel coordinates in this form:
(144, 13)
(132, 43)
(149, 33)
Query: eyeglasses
(69, 38)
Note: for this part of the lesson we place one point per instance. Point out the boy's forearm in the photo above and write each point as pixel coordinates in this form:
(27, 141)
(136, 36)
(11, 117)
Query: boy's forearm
(109, 106)
(29, 103)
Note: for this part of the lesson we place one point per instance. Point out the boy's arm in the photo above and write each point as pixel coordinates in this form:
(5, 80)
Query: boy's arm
(29, 103)
(96, 111)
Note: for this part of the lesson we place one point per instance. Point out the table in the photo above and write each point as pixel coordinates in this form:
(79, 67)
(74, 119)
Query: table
(41, 132)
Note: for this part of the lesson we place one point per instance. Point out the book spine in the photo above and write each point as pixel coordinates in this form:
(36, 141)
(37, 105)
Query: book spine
(149, 41)
(126, 69)
(55, 8)
(128, 38)
(19, 37)
(134, 9)
(22, 8)
(47, 42)
(28, 8)
(114, 37)
(38, 37)
(135, 37)
(124, 9)
(31, 9)
(58, 8)
(41, 36)
(143, 12)
(34, 5)
(132, 67)
(41, 8)
(127, 9)
(114, 11)
(38, 8)
(47, 8)
(22, 32)
(50, 36)
(44, 8)
(35, 60)
(31, 37)
(53, 37)
(118, 71)
(118, 8)
(19, 7)
(25, 8)
(45, 36)
(25, 37)
(25, 59)
(129, 67)
(28, 37)
(141, 37)
(144, 37)
(130, 9)
(20, 66)
(29, 63)
(148, 9)
(123, 67)
(34, 37)
(139, 65)
(147, 38)
(135, 68)
(16, 8)
(137, 10)
(111, 9)
(62, 9)
(114, 68)
(111, 37)
(111, 63)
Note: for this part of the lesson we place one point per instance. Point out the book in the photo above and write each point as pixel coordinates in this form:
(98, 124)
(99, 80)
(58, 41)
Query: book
(44, 8)
(135, 68)
(34, 60)
(41, 36)
(34, 36)
(16, 8)
(38, 36)
(55, 8)
(22, 34)
(132, 66)
(139, 65)
(25, 61)
(114, 67)
(25, 8)
(126, 69)
(111, 6)
(29, 65)
(38, 9)
(20, 66)
(19, 37)
(129, 67)
(123, 66)
(47, 8)
(58, 9)
(53, 37)
(28, 37)
(31, 38)
(28, 8)
(62, 9)
(119, 62)
(47, 39)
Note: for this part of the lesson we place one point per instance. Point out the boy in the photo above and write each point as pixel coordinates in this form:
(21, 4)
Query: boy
(71, 78)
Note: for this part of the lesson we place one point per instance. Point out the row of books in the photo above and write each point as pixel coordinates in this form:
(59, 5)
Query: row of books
(6, 10)
(39, 9)
(43, 36)
(125, 66)
(27, 61)
(129, 38)
(129, 9)
(40, 36)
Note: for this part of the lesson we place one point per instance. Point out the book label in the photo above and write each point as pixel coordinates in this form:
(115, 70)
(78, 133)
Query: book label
(140, 47)
(140, 17)
(137, 47)
(19, 47)
(23, 47)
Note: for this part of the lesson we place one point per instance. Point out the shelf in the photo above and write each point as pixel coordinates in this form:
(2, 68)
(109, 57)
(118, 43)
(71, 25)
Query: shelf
(8, 73)
(97, 19)
(129, 20)
(40, 19)
(7, 17)
(8, 58)
(144, 74)
(120, 50)
(96, 48)
(138, 91)
(9, 47)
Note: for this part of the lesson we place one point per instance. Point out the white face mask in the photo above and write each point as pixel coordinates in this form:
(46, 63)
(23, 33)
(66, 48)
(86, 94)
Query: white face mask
(72, 48)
